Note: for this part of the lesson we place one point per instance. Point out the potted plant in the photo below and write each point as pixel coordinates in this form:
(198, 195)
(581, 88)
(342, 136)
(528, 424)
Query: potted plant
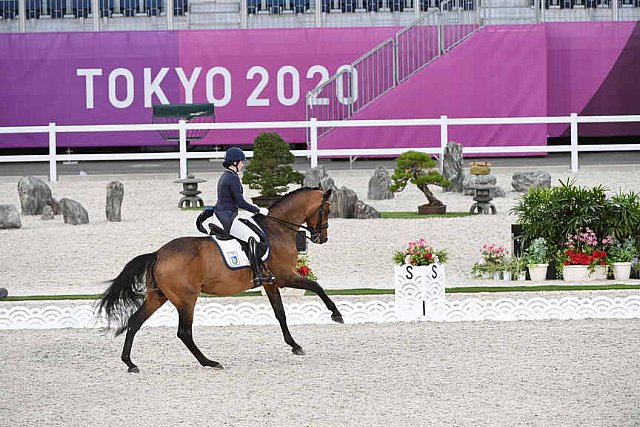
(491, 262)
(536, 257)
(303, 268)
(269, 170)
(514, 269)
(418, 169)
(584, 257)
(622, 254)
(420, 253)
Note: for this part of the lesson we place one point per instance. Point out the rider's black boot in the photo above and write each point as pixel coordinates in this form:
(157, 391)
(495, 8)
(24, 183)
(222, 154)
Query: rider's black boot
(256, 265)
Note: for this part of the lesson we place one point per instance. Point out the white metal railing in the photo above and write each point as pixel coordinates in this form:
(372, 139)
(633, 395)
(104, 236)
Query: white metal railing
(392, 62)
(313, 153)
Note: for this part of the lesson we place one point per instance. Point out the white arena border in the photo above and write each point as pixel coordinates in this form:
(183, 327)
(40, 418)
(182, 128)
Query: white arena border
(419, 296)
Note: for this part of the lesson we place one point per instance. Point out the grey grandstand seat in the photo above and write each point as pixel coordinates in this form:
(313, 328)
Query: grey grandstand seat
(81, 8)
(180, 7)
(130, 7)
(33, 9)
(106, 8)
(8, 9)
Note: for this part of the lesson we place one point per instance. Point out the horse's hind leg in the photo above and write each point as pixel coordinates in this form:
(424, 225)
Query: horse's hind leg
(276, 303)
(153, 301)
(185, 333)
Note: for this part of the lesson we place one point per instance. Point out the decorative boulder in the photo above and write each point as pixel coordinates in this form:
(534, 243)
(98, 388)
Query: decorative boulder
(523, 181)
(314, 176)
(343, 202)
(34, 194)
(9, 217)
(327, 183)
(363, 211)
(115, 194)
(55, 206)
(379, 185)
(453, 167)
(4, 293)
(47, 214)
(73, 213)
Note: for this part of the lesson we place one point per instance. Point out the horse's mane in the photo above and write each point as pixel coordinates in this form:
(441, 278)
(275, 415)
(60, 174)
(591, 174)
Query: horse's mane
(291, 193)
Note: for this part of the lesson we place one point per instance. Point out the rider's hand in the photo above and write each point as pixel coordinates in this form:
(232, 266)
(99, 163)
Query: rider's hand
(264, 211)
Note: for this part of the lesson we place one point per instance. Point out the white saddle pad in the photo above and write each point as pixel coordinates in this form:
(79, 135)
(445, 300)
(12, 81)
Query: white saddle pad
(233, 254)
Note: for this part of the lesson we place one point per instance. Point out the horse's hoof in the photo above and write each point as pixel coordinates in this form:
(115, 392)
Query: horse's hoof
(214, 365)
(133, 369)
(298, 350)
(337, 318)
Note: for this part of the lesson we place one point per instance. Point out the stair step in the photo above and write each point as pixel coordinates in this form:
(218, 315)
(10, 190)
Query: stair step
(212, 7)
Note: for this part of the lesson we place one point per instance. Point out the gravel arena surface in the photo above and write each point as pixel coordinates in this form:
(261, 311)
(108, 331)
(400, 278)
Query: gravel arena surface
(50, 257)
(543, 373)
(534, 373)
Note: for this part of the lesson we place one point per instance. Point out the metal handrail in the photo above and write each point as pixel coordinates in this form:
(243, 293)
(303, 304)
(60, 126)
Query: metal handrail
(390, 63)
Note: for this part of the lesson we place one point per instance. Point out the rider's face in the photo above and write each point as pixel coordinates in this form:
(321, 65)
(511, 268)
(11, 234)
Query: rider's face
(240, 165)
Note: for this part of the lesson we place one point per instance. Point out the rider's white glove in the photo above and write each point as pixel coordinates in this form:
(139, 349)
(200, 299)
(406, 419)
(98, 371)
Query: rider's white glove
(264, 211)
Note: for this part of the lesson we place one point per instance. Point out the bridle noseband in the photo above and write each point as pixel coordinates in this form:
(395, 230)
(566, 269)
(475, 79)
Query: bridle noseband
(315, 232)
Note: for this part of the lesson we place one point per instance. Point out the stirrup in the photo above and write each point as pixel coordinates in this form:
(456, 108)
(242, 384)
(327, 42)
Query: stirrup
(259, 279)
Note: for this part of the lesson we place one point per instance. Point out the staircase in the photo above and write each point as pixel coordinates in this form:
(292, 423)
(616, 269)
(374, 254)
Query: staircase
(209, 14)
(392, 62)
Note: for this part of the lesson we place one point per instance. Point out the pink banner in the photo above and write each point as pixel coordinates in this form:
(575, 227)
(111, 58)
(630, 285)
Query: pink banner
(499, 72)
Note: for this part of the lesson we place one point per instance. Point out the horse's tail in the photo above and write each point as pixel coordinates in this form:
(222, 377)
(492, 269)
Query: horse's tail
(123, 296)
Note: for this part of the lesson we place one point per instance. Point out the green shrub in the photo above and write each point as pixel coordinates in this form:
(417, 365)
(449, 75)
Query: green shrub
(269, 170)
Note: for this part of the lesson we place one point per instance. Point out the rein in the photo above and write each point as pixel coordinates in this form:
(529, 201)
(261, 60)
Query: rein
(314, 231)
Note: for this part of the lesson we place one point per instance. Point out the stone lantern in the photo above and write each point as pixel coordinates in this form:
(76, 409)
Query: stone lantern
(190, 192)
(483, 199)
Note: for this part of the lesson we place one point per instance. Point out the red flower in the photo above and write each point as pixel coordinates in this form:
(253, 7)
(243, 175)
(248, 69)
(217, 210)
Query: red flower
(303, 270)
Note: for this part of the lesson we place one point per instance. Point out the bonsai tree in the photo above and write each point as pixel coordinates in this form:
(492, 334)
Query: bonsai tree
(418, 169)
(269, 170)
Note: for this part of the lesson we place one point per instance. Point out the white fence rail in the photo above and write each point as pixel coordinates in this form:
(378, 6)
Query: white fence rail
(313, 153)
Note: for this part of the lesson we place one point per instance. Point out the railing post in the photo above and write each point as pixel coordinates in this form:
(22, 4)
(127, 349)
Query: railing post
(182, 131)
(244, 14)
(170, 6)
(444, 138)
(317, 13)
(313, 141)
(614, 10)
(95, 11)
(396, 66)
(53, 171)
(22, 15)
(440, 33)
(575, 167)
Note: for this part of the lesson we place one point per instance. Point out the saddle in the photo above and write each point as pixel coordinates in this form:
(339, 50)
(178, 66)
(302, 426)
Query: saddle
(233, 250)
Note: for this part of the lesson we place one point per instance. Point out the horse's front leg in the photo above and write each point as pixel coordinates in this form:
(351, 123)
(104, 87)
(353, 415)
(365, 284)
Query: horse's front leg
(278, 308)
(300, 282)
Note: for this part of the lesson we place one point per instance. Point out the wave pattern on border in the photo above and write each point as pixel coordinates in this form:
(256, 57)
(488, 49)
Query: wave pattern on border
(439, 310)
(207, 314)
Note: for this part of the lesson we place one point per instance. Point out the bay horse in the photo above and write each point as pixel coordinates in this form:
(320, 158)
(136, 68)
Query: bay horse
(183, 268)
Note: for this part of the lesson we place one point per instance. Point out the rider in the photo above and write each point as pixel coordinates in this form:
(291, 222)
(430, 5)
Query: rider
(230, 198)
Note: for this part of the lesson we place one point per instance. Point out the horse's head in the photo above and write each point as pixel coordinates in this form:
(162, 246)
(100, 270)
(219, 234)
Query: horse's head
(304, 205)
(318, 220)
